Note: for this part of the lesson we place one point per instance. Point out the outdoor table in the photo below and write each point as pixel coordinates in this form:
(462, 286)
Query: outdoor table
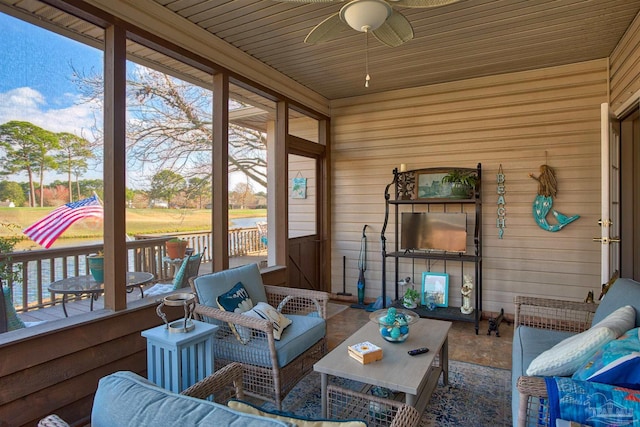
(86, 285)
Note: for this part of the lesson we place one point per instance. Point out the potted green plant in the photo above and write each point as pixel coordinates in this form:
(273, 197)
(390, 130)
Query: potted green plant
(462, 182)
(9, 272)
(176, 248)
(410, 299)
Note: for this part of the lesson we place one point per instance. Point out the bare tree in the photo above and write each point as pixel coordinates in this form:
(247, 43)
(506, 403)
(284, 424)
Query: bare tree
(170, 126)
(241, 196)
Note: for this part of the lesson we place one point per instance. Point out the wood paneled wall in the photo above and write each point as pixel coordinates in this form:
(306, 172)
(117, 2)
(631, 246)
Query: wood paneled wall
(520, 121)
(625, 66)
(55, 367)
(58, 371)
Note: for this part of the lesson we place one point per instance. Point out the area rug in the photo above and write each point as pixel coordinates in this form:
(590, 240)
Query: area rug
(476, 396)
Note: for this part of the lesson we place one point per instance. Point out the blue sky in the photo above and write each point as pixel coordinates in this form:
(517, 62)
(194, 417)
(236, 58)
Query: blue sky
(23, 43)
(36, 86)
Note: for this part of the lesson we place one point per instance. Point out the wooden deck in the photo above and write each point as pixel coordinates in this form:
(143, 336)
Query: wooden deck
(83, 305)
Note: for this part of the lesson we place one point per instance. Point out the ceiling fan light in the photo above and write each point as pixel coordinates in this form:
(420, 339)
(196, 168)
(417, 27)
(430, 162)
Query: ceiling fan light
(365, 15)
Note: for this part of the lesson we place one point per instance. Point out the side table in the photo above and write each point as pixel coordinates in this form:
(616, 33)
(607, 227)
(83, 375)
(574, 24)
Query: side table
(176, 361)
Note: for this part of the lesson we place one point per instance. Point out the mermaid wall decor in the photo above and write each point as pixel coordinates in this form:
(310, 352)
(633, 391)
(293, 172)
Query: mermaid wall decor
(543, 203)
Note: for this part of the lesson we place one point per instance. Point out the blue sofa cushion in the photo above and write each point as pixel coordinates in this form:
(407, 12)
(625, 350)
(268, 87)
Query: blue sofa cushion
(210, 286)
(126, 399)
(527, 344)
(622, 292)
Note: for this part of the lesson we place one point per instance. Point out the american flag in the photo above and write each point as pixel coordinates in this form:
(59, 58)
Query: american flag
(48, 229)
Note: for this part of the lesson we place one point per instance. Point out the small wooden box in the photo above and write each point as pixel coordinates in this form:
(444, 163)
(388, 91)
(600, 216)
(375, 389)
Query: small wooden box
(365, 352)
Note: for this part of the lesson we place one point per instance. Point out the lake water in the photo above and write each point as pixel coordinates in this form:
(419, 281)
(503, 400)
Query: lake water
(247, 222)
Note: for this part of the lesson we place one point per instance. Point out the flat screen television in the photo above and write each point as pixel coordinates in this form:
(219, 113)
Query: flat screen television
(435, 231)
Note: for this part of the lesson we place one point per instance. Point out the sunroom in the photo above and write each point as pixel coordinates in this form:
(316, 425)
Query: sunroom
(509, 85)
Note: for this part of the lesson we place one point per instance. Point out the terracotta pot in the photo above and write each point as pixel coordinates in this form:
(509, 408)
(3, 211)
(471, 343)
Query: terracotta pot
(176, 249)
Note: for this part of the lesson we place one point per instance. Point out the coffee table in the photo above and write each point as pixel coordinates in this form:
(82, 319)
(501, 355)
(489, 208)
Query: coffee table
(86, 285)
(415, 376)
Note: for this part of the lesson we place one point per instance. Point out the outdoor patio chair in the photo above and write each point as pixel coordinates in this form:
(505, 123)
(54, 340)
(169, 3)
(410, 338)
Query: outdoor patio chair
(189, 268)
(273, 363)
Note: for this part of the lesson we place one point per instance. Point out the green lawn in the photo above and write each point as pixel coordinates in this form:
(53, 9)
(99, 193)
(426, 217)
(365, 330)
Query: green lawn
(139, 221)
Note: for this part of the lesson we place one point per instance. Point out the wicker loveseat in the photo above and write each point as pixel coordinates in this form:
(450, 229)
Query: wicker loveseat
(125, 399)
(271, 367)
(542, 323)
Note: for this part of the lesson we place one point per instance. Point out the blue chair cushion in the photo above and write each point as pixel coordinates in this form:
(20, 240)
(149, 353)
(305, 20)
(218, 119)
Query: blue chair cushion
(179, 279)
(125, 399)
(210, 286)
(622, 292)
(303, 332)
(527, 344)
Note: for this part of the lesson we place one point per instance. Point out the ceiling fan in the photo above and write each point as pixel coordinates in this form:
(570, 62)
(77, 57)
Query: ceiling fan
(376, 16)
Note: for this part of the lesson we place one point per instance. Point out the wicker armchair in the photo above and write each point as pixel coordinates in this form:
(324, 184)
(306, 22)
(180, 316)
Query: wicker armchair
(271, 370)
(558, 315)
(222, 385)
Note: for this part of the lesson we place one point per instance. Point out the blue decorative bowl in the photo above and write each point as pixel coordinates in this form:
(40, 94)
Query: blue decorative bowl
(394, 323)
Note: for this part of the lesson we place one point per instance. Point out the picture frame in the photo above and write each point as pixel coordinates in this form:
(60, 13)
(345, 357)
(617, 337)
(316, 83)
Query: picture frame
(436, 285)
(429, 185)
(299, 187)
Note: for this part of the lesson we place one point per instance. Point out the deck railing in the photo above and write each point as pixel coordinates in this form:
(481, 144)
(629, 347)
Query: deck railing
(41, 267)
(242, 241)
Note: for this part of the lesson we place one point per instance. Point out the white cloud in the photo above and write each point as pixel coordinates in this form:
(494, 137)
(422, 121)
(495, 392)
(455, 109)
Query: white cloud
(27, 104)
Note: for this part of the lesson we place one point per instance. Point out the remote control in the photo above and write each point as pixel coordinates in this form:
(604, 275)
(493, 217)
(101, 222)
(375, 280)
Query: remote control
(418, 351)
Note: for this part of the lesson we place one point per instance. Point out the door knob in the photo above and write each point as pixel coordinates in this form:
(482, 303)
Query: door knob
(607, 240)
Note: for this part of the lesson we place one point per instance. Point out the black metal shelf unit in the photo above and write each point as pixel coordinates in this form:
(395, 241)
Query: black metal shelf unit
(405, 194)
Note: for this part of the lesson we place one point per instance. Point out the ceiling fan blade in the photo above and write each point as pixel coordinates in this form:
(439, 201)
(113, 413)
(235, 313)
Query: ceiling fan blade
(421, 3)
(395, 30)
(326, 30)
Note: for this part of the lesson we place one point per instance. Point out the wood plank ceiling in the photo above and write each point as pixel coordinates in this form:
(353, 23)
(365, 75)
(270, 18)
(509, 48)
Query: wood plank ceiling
(470, 38)
(463, 40)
